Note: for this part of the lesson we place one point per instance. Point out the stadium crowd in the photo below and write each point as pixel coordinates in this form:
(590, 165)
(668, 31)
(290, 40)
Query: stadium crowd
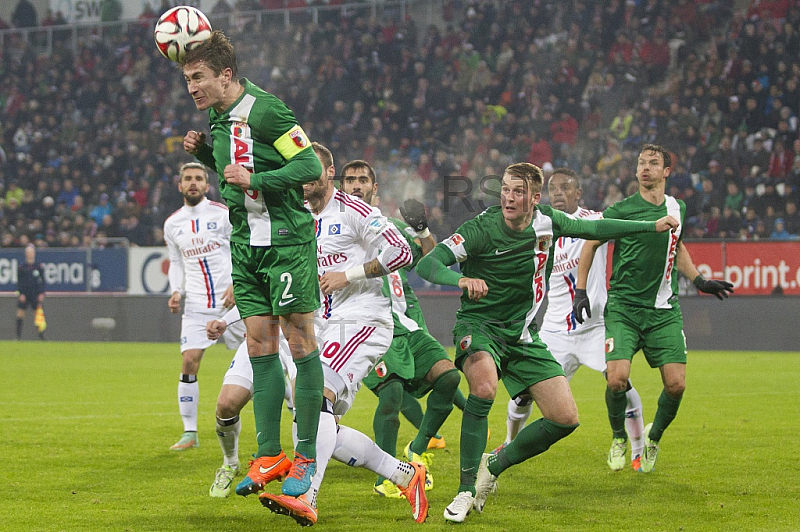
(91, 138)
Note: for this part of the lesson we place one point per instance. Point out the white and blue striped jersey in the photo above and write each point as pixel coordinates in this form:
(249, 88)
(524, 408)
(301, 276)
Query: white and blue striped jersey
(198, 239)
(559, 316)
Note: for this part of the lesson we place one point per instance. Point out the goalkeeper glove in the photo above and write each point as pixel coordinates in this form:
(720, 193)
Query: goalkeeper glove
(413, 212)
(581, 303)
(710, 286)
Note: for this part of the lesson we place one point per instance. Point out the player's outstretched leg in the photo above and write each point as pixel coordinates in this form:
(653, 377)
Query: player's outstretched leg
(357, 450)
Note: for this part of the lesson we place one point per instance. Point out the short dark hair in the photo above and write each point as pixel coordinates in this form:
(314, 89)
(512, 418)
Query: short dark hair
(216, 52)
(572, 174)
(531, 173)
(357, 164)
(659, 149)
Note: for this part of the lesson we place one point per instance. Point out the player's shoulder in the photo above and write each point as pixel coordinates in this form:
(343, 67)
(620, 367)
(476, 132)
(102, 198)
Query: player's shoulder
(630, 204)
(588, 214)
(353, 206)
(492, 213)
(174, 217)
(217, 205)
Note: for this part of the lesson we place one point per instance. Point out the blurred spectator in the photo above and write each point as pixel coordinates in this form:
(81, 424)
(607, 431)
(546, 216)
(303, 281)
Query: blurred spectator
(101, 210)
(24, 15)
(792, 218)
(780, 232)
(729, 224)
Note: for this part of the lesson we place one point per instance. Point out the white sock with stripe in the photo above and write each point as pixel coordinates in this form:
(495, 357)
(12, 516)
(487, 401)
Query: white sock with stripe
(188, 395)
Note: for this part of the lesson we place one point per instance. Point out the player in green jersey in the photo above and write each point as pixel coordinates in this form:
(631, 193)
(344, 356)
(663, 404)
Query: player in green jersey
(415, 363)
(263, 157)
(642, 311)
(505, 257)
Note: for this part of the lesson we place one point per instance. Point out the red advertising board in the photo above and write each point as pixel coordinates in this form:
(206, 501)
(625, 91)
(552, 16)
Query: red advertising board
(754, 268)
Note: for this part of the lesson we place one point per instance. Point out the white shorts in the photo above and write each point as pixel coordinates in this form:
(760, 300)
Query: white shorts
(586, 348)
(240, 372)
(349, 352)
(193, 331)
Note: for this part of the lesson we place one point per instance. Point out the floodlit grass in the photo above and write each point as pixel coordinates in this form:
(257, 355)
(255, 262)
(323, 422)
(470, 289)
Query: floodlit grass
(86, 430)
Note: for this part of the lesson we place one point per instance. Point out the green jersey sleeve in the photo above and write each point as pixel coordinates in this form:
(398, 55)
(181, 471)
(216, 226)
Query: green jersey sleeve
(604, 229)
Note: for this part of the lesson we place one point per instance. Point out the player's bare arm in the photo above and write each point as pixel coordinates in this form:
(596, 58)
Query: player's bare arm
(585, 261)
(333, 281)
(476, 288)
(683, 261)
(174, 303)
(215, 329)
(228, 300)
(581, 303)
(193, 141)
(238, 175)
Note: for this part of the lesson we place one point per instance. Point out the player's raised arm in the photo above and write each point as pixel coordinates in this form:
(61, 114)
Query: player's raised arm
(279, 128)
(413, 212)
(195, 143)
(581, 301)
(606, 229)
(684, 263)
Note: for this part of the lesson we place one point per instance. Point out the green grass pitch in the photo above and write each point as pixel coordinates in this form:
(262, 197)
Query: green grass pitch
(86, 430)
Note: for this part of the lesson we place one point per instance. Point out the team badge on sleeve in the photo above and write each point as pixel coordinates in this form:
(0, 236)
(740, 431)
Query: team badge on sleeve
(609, 345)
(380, 369)
(299, 138)
(377, 224)
(456, 245)
(292, 142)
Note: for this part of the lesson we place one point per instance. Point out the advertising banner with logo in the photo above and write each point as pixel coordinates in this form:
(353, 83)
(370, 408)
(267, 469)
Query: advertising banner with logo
(89, 10)
(754, 268)
(148, 271)
(70, 269)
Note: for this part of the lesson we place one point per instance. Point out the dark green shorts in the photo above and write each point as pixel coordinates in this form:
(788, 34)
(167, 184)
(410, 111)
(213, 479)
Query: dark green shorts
(410, 357)
(275, 280)
(657, 332)
(520, 366)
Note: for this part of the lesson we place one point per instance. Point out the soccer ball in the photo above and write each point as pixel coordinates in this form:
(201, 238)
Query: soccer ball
(179, 29)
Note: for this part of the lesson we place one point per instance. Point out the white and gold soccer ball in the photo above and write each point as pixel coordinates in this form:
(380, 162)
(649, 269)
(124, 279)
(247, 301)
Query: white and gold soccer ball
(179, 29)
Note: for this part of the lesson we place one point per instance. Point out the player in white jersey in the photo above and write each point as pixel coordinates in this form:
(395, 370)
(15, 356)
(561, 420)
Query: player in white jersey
(356, 247)
(573, 344)
(198, 238)
(236, 392)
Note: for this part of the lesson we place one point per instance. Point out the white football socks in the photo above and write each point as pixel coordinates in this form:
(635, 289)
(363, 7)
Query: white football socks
(188, 395)
(516, 418)
(228, 435)
(634, 424)
(358, 450)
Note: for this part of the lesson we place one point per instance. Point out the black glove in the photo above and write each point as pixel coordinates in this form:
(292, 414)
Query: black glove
(581, 303)
(710, 286)
(413, 212)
